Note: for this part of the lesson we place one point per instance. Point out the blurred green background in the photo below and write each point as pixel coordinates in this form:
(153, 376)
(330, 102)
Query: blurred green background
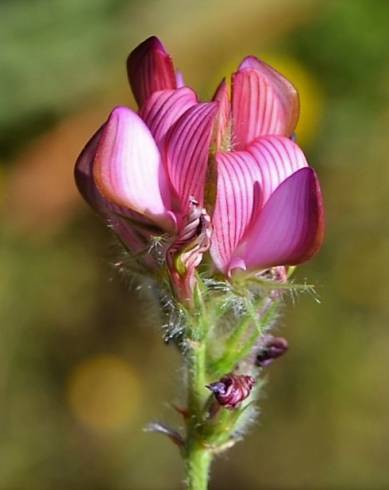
(82, 364)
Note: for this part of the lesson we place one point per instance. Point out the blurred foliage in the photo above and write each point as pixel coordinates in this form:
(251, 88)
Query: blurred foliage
(82, 365)
(45, 45)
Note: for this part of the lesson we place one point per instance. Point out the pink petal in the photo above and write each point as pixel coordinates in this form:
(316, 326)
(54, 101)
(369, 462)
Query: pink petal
(290, 228)
(266, 163)
(128, 170)
(186, 149)
(237, 193)
(150, 68)
(222, 120)
(113, 215)
(163, 108)
(263, 103)
(83, 174)
(278, 158)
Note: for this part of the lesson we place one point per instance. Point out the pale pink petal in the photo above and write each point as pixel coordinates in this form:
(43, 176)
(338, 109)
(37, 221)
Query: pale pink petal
(222, 121)
(163, 108)
(150, 68)
(118, 219)
(128, 170)
(263, 103)
(290, 228)
(278, 158)
(186, 149)
(238, 194)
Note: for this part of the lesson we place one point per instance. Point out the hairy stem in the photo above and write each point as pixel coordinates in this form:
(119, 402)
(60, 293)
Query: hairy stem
(198, 461)
(209, 432)
(197, 455)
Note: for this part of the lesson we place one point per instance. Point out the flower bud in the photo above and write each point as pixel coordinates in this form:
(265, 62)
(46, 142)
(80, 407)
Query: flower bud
(232, 389)
(270, 348)
(186, 253)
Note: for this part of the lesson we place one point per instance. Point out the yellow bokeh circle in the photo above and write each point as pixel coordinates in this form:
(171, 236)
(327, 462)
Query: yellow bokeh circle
(104, 393)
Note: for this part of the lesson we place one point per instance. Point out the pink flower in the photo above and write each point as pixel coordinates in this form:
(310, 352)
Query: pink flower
(143, 171)
(268, 209)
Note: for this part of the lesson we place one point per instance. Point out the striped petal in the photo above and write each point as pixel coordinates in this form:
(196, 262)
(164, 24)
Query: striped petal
(278, 158)
(263, 103)
(150, 68)
(128, 170)
(290, 228)
(285, 90)
(238, 193)
(186, 149)
(163, 108)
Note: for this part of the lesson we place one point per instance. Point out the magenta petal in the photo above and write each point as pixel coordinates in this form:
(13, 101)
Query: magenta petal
(150, 68)
(83, 174)
(290, 228)
(278, 158)
(263, 103)
(238, 192)
(186, 149)
(128, 170)
(163, 108)
(266, 163)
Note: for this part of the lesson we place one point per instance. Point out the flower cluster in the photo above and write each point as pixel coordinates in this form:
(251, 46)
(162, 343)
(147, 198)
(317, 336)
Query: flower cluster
(180, 168)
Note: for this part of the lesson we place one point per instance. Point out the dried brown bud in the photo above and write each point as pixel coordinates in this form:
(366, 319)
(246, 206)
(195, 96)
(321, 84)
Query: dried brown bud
(232, 389)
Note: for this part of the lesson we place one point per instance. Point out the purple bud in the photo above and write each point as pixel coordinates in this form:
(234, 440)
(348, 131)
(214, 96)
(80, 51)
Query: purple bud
(270, 348)
(232, 389)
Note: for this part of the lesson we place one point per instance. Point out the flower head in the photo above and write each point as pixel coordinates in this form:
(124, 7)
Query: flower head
(142, 170)
(269, 209)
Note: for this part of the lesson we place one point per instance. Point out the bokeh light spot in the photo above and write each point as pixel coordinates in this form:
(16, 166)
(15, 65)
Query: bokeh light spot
(104, 393)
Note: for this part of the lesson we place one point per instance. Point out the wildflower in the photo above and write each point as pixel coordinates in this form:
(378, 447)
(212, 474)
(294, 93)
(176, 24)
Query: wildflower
(268, 209)
(142, 170)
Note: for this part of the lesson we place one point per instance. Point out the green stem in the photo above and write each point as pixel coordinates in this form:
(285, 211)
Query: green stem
(197, 455)
(198, 461)
(196, 365)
